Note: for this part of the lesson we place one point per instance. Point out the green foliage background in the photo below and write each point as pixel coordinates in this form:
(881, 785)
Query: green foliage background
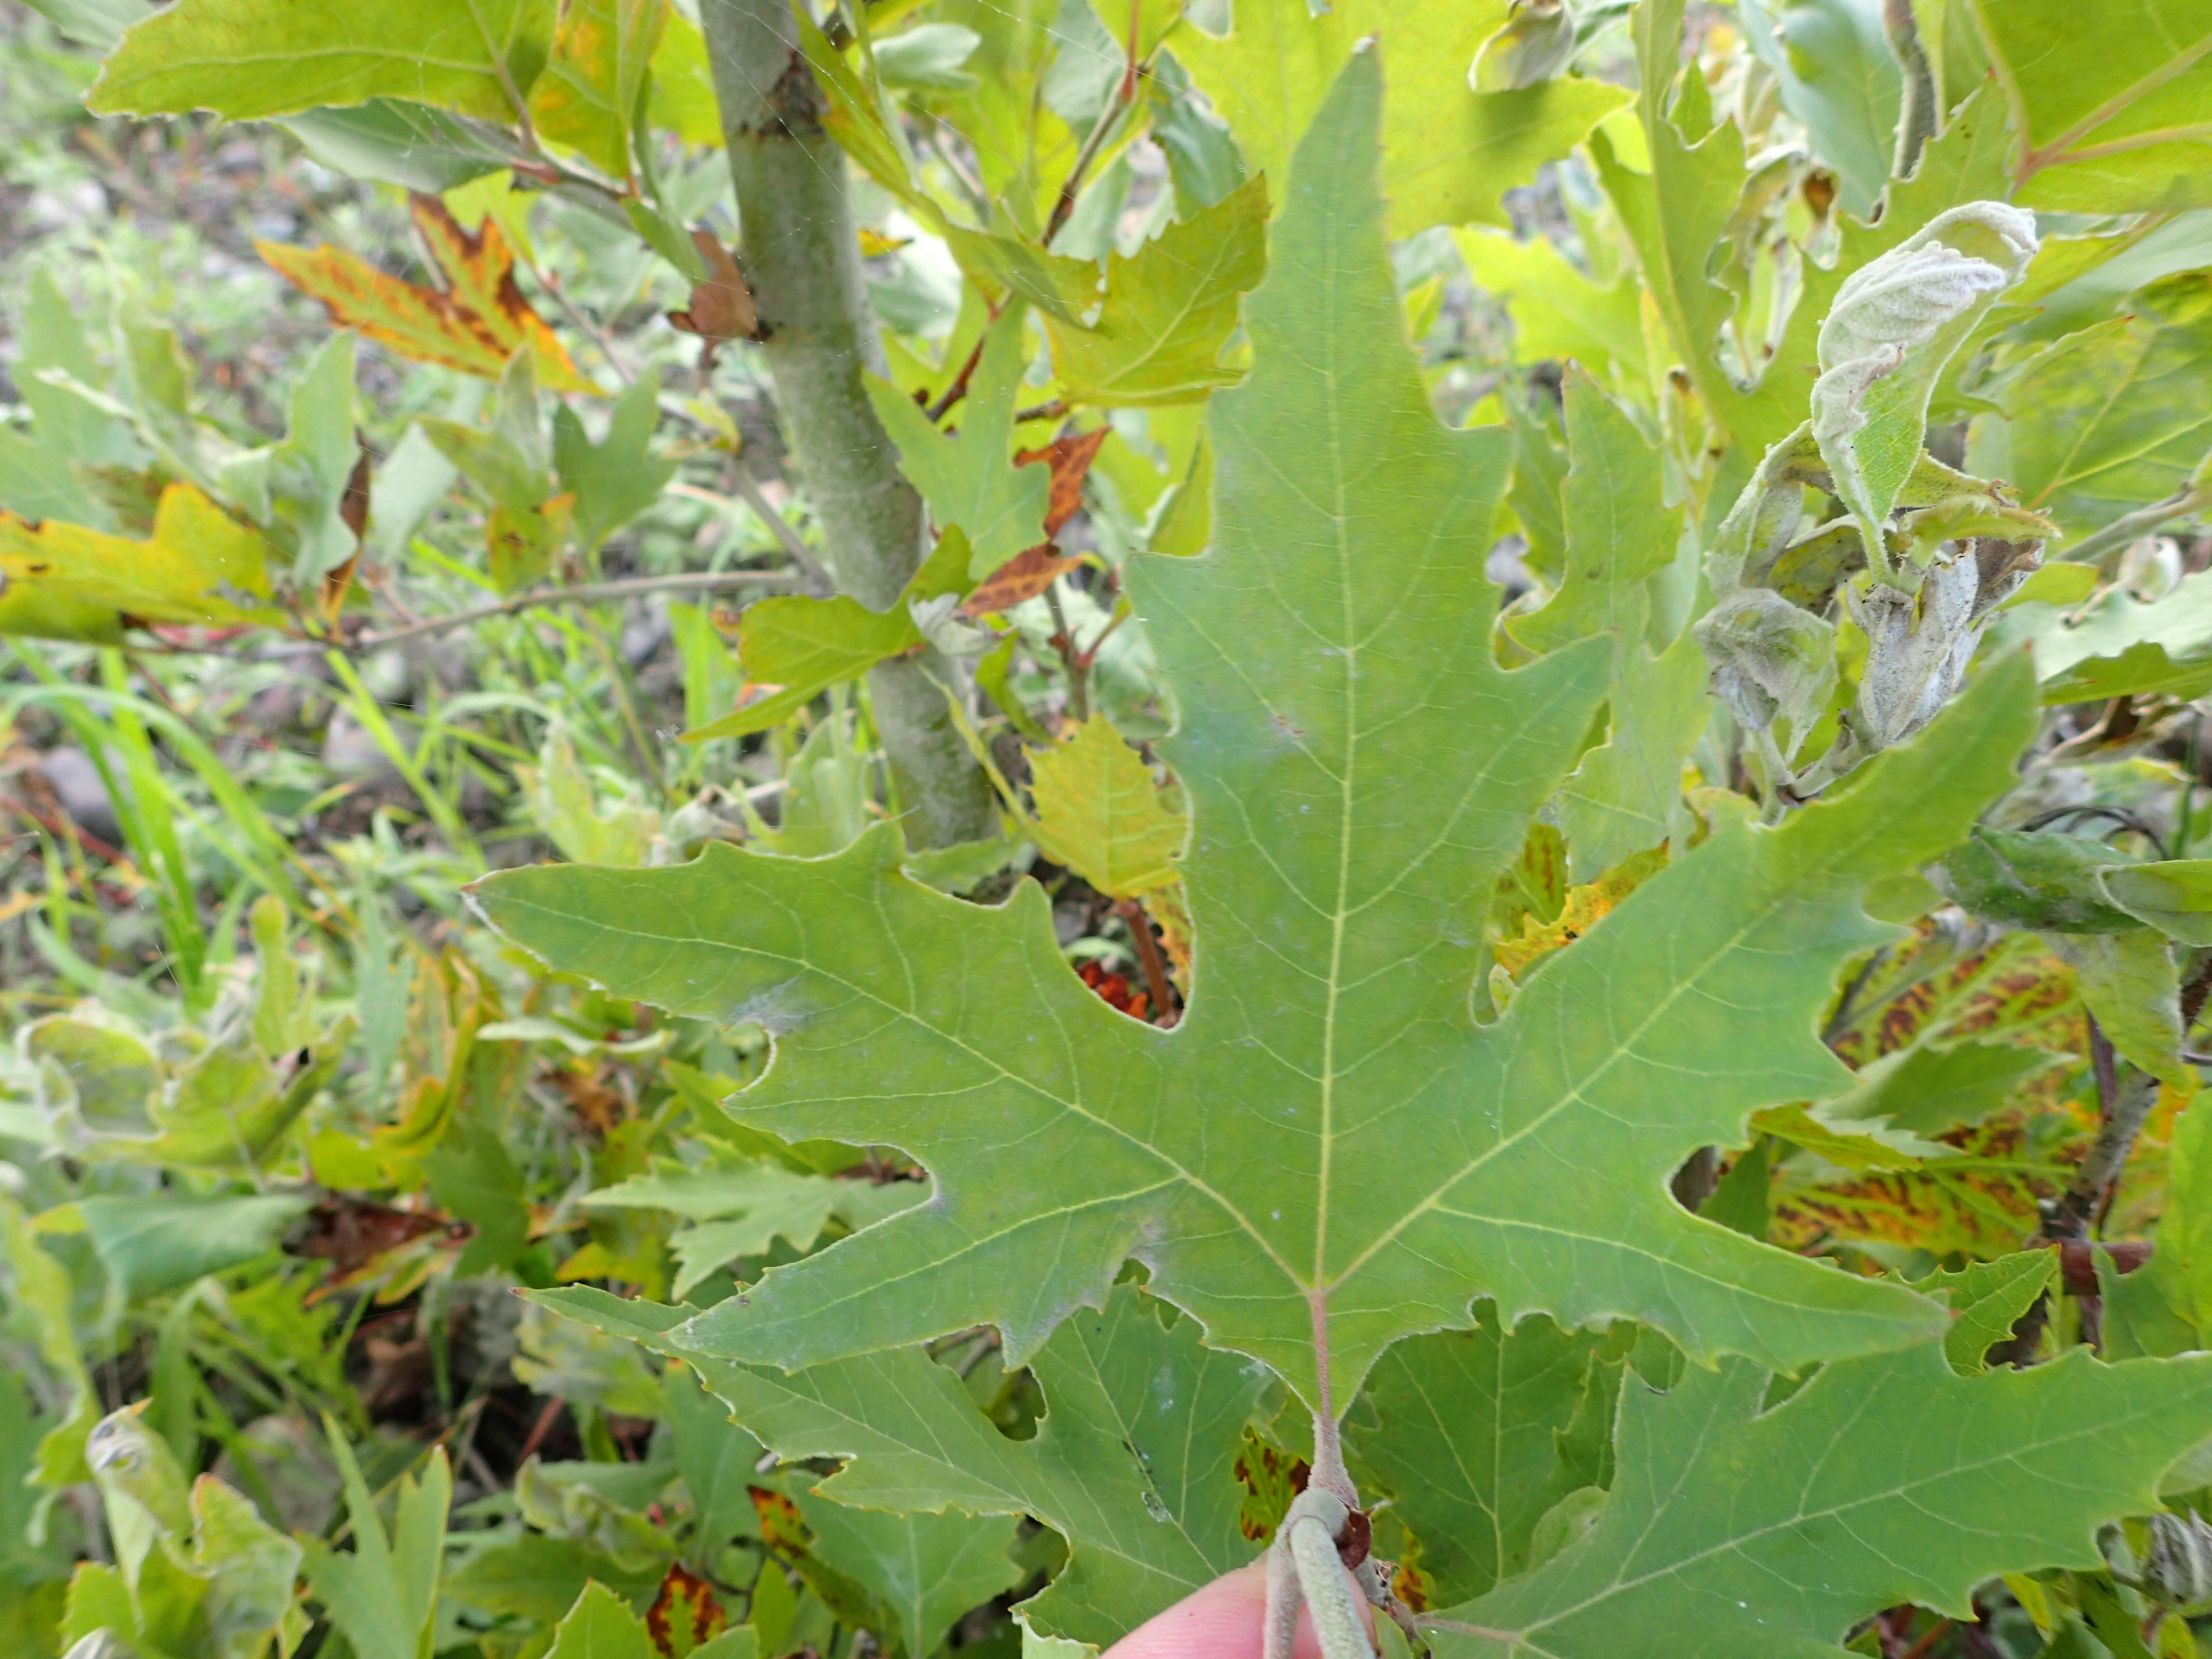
(1477, 720)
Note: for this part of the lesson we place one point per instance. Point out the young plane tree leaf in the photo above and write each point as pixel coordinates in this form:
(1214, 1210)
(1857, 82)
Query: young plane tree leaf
(1099, 813)
(921, 1570)
(1131, 1464)
(969, 478)
(243, 59)
(200, 566)
(1987, 1298)
(475, 322)
(1449, 153)
(800, 645)
(742, 1208)
(1360, 771)
(2120, 129)
(1169, 311)
(1619, 535)
(1464, 1432)
(1732, 1532)
(383, 1595)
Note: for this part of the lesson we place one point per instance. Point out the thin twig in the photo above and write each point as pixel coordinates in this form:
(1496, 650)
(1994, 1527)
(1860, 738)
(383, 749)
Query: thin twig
(954, 393)
(2131, 528)
(582, 594)
(1140, 923)
(751, 493)
(1109, 122)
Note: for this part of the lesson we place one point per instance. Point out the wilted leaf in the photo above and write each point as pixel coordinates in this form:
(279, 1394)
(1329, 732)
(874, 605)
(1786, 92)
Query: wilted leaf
(1067, 460)
(475, 323)
(1023, 577)
(721, 308)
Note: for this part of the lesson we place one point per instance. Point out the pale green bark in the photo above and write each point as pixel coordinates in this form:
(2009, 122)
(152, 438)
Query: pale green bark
(802, 260)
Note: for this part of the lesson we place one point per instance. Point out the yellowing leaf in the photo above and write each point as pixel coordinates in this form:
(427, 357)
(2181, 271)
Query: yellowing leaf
(474, 323)
(588, 90)
(200, 566)
(1169, 311)
(1099, 812)
(1585, 906)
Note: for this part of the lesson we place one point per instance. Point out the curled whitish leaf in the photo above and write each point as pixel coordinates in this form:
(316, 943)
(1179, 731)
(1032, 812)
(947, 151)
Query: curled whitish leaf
(1895, 324)
(1771, 660)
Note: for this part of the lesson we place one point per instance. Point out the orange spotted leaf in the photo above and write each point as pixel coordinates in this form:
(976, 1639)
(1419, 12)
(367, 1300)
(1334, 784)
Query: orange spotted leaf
(475, 323)
(1021, 577)
(1070, 458)
(684, 1615)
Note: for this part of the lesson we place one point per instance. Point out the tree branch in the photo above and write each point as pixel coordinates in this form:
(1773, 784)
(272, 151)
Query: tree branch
(802, 260)
(582, 594)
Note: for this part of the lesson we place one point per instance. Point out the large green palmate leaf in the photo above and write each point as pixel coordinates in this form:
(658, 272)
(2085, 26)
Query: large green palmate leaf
(1734, 1534)
(243, 58)
(1130, 1465)
(1329, 1153)
(2107, 419)
(2122, 126)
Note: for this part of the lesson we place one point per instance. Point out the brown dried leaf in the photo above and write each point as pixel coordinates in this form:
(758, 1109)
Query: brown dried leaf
(1021, 577)
(722, 307)
(1070, 457)
(474, 323)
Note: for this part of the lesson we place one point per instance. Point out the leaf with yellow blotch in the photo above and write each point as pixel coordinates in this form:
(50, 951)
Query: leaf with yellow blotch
(1099, 813)
(1585, 905)
(474, 323)
(198, 567)
(684, 1616)
(588, 90)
